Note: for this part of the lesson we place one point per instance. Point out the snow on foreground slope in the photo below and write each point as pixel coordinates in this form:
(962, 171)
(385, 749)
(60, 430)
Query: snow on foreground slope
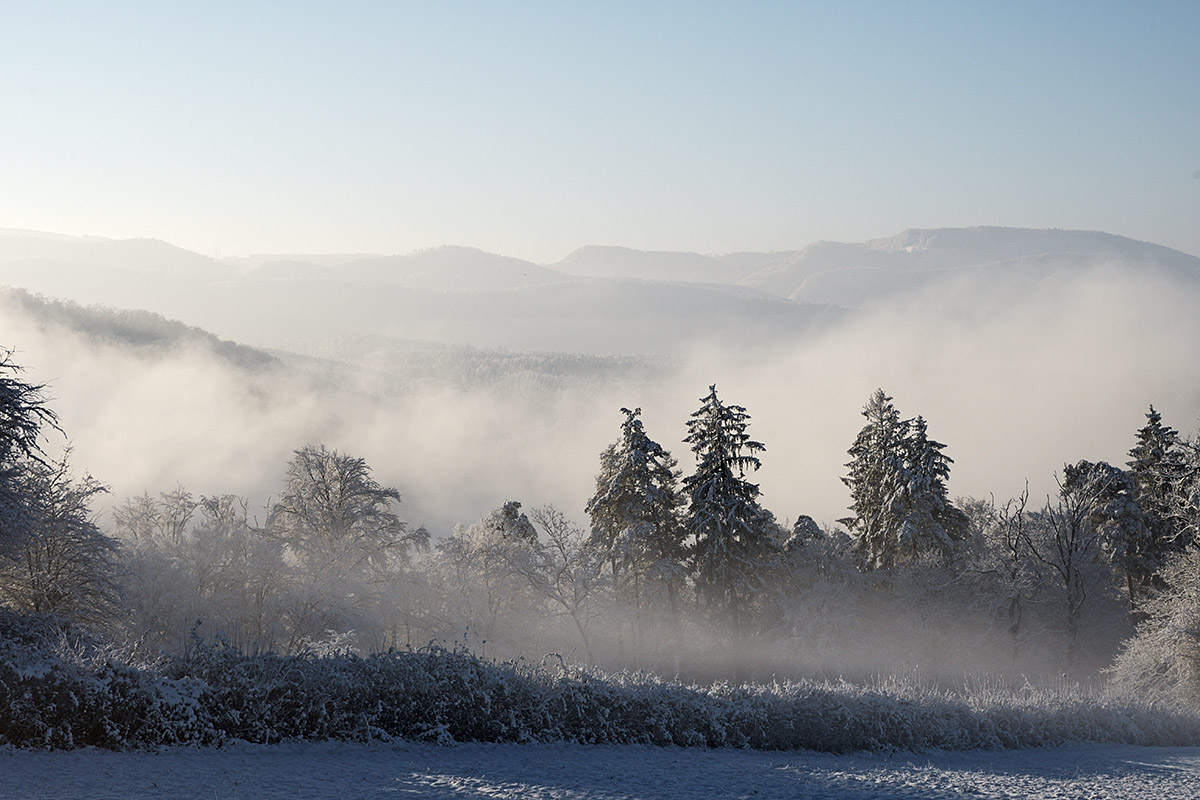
(346, 771)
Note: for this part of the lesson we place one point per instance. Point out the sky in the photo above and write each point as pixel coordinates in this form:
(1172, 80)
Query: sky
(534, 128)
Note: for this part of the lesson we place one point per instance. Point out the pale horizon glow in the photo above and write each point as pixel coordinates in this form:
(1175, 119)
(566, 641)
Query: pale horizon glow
(533, 129)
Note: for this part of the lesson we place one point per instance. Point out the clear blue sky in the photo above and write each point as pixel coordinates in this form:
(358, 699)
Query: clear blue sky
(532, 128)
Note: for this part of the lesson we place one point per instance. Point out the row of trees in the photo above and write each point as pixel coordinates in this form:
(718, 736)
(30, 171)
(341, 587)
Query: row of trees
(654, 531)
(663, 555)
(1105, 526)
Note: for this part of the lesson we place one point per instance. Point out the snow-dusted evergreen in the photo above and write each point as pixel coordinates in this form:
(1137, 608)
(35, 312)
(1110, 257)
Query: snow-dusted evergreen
(1161, 472)
(735, 538)
(897, 483)
(636, 516)
(1119, 521)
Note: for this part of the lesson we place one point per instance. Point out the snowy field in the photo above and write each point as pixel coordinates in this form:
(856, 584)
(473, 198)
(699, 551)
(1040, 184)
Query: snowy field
(346, 771)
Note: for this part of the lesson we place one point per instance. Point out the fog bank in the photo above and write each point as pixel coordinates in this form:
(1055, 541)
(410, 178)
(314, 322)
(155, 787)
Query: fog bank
(1015, 381)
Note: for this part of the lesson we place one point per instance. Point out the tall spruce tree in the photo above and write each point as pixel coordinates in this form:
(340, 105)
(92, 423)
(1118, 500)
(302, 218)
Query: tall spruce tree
(1114, 513)
(635, 514)
(897, 485)
(1159, 467)
(875, 480)
(932, 521)
(735, 537)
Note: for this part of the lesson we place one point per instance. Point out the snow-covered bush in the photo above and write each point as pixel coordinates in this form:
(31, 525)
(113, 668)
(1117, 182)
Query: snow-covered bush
(450, 695)
(61, 690)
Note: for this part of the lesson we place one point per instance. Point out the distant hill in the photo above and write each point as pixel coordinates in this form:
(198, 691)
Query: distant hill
(131, 329)
(456, 295)
(853, 274)
(441, 269)
(600, 301)
(470, 378)
(587, 315)
(622, 262)
(451, 269)
(48, 250)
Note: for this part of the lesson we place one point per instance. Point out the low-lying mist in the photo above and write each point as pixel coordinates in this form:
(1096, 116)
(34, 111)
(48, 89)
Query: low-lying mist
(1015, 380)
(1015, 386)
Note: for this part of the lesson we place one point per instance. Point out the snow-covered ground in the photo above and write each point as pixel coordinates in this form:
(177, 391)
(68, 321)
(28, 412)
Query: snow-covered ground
(346, 771)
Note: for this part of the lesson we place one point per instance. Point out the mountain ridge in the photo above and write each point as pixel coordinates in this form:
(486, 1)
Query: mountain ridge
(600, 300)
(601, 260)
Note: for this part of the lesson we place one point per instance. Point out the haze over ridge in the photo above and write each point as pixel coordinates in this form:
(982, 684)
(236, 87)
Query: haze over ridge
(1020, 359)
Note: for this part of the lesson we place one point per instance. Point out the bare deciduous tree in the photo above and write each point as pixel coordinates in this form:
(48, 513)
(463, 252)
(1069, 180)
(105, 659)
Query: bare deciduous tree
(65, 565)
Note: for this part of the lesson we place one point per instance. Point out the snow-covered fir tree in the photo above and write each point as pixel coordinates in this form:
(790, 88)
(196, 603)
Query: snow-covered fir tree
(931, 521)
(735, 537)
(1159, 467)
(508, 523)
(1114, 512)
(635, 515)
(897, 484)
(875, 479)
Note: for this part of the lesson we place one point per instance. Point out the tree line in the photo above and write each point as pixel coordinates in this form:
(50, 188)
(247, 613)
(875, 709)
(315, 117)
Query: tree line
(669, 570)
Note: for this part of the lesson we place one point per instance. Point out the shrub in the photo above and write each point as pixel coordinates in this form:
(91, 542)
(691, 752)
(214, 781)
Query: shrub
(59, 689)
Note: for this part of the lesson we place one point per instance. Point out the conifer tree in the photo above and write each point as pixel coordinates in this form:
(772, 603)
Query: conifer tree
(1113, 512)
(735, 538)
(931, 520)
(1159, 469)
(897, 485)
(876, 479)
(635, 513)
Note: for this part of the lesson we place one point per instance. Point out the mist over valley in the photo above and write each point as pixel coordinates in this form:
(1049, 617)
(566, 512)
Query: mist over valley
(358, 460)
(467, 378)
